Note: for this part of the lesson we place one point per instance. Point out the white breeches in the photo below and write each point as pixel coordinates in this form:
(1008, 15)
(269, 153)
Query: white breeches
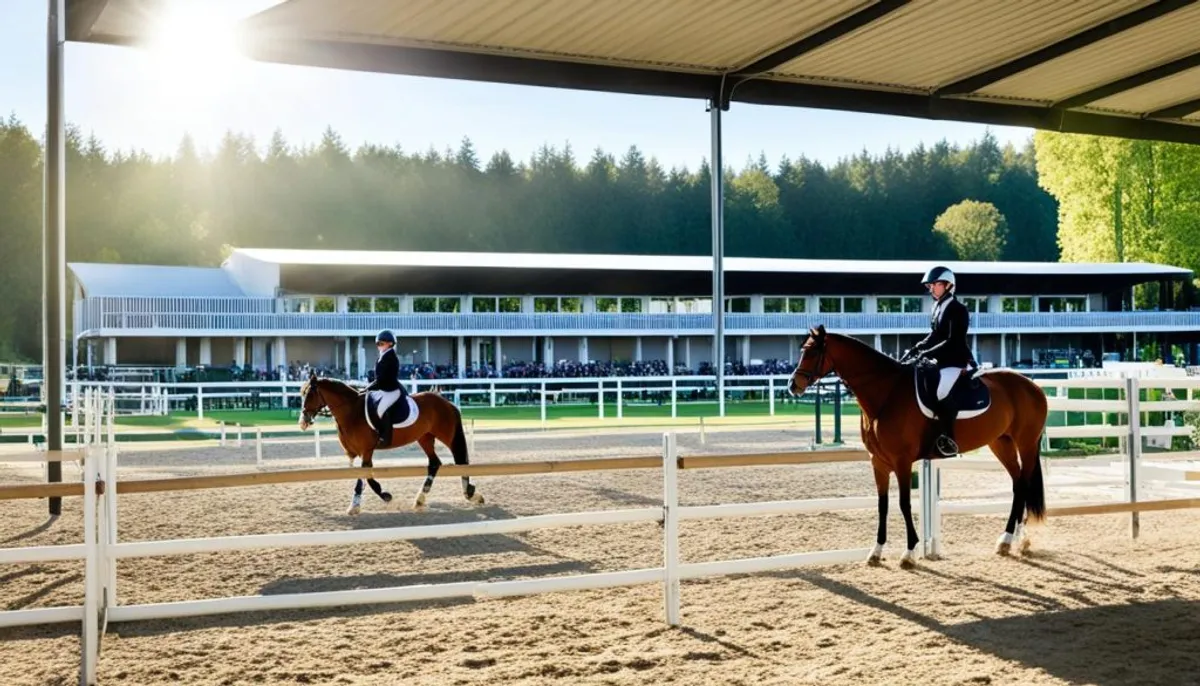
(386, 398)
(949, 377)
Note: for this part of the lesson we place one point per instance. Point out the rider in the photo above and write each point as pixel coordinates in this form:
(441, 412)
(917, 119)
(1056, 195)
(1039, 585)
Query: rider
(946, 345)
(386, 383)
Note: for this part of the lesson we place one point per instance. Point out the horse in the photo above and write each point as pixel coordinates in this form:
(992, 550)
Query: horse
(897, 434)
(437, 419)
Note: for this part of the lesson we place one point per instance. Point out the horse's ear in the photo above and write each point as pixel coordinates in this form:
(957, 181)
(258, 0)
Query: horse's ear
(820, 329)
(312, 374)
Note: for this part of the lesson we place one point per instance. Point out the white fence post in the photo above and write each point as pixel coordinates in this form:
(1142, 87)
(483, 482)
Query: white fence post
(671, 528)
(258, 446)
(620, 410)
(703, 435)
(317, 441)
(200, 402)
(1135, 449)
(91, 579)
(239, 435)
(222, 425)
(543, 404)
(771, 395)
(600, 397)
(110, 505)
(674, 399)
(471, 437)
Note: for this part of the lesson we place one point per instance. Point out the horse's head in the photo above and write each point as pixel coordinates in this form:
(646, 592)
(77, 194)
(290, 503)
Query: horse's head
(312, 401)
(814, 361)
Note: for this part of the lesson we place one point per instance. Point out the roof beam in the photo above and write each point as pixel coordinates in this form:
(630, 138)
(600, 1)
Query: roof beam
(823, 37)
(1130, 82)
(1178, 111)
(1068, 45)
(769, 92)
(82, 16)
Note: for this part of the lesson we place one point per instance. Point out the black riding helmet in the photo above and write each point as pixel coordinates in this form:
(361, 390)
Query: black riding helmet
(938, 273)
(385, 336)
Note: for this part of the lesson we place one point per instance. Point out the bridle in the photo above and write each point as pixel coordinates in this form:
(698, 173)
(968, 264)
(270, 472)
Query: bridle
(325, 410)
(812, 377)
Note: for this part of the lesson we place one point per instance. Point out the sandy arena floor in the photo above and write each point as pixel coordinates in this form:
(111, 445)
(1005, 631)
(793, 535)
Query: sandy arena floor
(1090, 606)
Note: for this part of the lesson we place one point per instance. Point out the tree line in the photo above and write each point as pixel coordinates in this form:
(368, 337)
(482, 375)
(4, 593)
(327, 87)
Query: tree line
(191, 208)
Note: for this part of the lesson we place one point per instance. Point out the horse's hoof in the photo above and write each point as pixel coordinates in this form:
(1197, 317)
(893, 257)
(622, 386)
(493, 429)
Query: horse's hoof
(875, 561)
(1004, 549)
(476, 499)
(387, 497)
(353, 510)
(1026, 546)
(907, 562)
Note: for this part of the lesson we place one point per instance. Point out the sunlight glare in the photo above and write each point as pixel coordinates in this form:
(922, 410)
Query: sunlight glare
(196, 55)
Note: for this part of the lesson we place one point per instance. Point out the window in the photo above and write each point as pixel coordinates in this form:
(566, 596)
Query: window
(545, 304)
(854, 305)
(889, 305)
(483, 304)
(797, 305)
(449, 305)
(975, 304)
(571, 304)
(830, 305)
(631, 305)
(662, 305)
(299, 305)
(912, 305)
(387, 304)
(510, 304)
(358, 305)
(424, 304)
(606, 305)
(1063, 304)
(325, 304)
(696, 305)
(737, 305)
(774, 305)
(1018, 304)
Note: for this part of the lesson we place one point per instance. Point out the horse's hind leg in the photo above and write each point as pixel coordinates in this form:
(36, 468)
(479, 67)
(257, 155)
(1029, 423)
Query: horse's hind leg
(426, 443)
(458, 448)
(904, 481)
(881, 487)
(378, 489)
(1006, 450)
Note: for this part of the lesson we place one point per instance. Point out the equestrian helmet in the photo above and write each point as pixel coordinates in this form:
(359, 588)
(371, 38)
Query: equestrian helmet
(385, 336)
(938, 273)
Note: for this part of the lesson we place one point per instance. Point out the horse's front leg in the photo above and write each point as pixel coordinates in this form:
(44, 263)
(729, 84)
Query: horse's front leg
(881, 488)
(904, 479)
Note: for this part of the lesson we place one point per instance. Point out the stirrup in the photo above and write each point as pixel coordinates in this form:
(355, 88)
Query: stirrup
(946, 446)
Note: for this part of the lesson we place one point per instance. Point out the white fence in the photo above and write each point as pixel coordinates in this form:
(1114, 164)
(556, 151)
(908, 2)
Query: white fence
(101, 547)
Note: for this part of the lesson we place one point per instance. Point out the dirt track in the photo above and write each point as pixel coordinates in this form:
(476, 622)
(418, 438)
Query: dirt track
(1089, 606)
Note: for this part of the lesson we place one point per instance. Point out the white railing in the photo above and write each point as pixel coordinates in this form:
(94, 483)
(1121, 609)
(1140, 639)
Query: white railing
(110, 315)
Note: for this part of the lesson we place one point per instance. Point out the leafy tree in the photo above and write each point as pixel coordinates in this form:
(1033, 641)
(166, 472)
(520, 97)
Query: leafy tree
(976, 230)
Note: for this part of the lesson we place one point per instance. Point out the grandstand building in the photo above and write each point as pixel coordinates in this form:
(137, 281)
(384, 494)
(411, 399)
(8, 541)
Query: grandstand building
(266, 308)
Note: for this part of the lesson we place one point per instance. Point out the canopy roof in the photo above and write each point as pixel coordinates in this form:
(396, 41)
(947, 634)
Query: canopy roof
(1128, 68)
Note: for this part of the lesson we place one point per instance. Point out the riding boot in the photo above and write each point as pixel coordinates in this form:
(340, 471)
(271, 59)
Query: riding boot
(945, 445)
(385, 433)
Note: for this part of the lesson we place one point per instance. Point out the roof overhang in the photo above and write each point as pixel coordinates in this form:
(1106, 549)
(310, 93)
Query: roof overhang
(1127, 68)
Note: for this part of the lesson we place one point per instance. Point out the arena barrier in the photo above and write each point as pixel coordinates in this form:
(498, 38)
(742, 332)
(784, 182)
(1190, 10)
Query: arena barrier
(101, 547)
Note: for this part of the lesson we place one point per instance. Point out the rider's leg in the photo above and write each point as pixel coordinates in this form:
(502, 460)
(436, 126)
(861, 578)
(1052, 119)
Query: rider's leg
(947, 412)
(386, 400)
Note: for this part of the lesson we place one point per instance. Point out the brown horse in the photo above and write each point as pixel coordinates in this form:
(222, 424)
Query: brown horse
(437, 419)
(896, 433)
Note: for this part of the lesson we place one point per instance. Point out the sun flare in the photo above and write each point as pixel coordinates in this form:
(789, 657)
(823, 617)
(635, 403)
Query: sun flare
(196, 54)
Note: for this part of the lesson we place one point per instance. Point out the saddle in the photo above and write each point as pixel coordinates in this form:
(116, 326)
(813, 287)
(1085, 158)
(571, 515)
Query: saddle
(401, 414)
(969, 394)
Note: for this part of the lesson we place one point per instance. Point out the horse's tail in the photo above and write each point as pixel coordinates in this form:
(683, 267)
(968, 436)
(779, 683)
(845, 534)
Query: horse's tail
(1031, 453)
(458, 444)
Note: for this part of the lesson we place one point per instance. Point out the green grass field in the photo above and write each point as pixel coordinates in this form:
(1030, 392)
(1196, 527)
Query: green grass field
(565, 415)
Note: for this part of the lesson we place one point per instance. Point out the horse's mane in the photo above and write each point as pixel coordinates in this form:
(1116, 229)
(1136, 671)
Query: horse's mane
(881, 362)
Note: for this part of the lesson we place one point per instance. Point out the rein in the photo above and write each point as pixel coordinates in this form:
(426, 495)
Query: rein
(325, 411)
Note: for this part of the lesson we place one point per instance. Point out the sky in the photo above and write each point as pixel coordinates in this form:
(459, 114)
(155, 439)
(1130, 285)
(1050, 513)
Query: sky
(147, 100)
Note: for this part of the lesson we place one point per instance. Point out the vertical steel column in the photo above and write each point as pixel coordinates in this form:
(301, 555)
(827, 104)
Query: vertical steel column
(53, 240)
(718, 248)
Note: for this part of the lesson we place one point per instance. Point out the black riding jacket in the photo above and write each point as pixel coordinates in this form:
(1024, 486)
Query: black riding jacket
(947, 342)
(387, 372)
